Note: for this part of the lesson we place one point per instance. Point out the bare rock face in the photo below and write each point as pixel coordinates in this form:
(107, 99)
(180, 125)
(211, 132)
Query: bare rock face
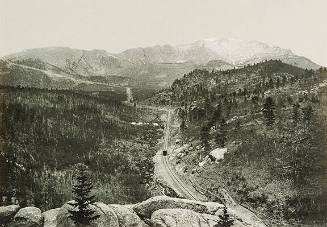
(107, 216)
(186, 218)
(7, 212)
(245, 216)
(50, 217)
(126, 216)
(146, 208)
(182, 218)
(27, 217)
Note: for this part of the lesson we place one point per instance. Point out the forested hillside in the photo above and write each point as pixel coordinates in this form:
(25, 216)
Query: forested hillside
(271, 118)
(46, 132)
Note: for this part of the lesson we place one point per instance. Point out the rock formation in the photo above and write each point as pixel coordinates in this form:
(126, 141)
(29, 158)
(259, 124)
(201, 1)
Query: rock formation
(160, 211)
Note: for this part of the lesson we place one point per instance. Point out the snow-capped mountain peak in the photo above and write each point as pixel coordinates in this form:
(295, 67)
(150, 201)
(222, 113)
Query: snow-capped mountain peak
(235, 51)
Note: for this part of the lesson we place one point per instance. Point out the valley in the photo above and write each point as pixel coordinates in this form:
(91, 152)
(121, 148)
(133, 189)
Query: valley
(46, 132)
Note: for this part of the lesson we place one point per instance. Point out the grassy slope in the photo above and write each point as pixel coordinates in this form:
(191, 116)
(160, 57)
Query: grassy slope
(279, 171)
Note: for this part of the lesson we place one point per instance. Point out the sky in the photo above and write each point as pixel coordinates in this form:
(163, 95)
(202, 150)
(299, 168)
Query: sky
(116, 25)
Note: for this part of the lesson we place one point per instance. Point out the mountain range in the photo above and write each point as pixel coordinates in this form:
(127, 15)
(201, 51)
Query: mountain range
(155, 67)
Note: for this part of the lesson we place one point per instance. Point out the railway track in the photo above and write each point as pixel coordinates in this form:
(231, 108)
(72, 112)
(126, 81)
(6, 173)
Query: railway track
(180, 186)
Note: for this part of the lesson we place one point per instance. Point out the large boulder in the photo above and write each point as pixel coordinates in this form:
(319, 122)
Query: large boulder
(126, 216)
(182, 218)
(50, 217)
(218, 154)
(27, 217)
(146, 208)
(185, 218)
(7, 212)
(247, 217)
(107, 216)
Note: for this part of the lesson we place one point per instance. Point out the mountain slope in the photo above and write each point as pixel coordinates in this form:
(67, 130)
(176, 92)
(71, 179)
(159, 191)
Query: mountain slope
(271, 118)
(46, 76)
(83, 62)
(232, 51)
(150, 67)
(92, 66)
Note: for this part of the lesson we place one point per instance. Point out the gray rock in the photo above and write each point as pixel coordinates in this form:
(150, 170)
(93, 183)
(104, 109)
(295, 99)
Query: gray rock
(185, 218)
(126, 216)
(50, 217)
(245, 216)
(7, 212)
(107, 216)
(27, 217)
(182, 218)
(146, 208)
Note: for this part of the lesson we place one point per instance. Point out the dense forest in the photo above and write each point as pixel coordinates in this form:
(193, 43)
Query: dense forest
(271, 118)
(46, 132)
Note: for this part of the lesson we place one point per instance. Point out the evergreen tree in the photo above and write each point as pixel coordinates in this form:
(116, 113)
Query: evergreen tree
(284, 80)
(205, 137)
(268, 111)
(182, 125)
(296, 114)
(225, 220)
(278, 83)
(307, 113)
(207, 106)
(83, 215)
(216, 115)
(271, 83)
(221, 135)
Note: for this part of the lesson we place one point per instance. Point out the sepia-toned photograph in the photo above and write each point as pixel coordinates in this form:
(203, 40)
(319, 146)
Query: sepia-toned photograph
(163, 113)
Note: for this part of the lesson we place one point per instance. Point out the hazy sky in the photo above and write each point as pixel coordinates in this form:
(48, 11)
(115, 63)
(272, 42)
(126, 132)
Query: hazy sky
(299, 25)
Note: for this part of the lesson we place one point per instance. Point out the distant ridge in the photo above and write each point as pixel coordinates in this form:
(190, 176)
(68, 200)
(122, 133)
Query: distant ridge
(152, 67)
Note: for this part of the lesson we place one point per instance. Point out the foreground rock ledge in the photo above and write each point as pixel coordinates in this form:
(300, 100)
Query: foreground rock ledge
(160, 211)
(7, 213)
(146, 208)
(28, 216)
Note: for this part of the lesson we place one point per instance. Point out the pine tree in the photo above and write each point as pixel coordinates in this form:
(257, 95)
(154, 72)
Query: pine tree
(271, 83)
(296, 114)
(307, 113)
(225, 220)
(207, 106)
(278, 83)
(83, 215)
(268, 111)
(205, 137)
(216, 115)
(182, 125)
(221, 135)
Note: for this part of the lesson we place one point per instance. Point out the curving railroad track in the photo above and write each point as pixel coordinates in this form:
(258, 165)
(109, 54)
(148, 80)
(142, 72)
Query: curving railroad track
(178, 184)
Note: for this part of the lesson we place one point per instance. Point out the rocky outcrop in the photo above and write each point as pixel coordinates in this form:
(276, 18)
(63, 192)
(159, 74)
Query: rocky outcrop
(27, 217)
(126, 216)
(146, 208)
(7, 213)
(107, 216)
(50, 217)
(182, 218)
(160, 211)
(185, 218)
(245, 216)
